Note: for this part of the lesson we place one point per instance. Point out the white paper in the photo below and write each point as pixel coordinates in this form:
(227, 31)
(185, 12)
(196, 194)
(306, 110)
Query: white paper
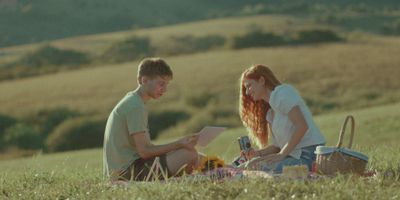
(207, 134)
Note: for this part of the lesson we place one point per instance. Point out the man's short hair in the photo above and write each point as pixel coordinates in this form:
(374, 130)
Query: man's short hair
(153, 67)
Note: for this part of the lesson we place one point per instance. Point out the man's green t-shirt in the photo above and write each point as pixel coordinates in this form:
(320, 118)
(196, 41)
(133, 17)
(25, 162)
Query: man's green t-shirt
(119, 151)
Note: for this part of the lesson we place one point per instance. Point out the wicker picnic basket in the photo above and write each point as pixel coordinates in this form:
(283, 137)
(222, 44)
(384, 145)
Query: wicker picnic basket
(333, 160)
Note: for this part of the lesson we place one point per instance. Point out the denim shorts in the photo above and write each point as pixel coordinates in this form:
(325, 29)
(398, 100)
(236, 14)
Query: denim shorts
(307, 158)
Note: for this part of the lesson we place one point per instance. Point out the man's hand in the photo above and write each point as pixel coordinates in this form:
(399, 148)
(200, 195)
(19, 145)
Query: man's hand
(189, 142)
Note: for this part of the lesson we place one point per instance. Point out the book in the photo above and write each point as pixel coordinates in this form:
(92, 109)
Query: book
(208, 134)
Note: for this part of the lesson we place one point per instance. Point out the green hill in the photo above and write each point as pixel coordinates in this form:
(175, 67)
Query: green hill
(96, 44)
(27, 21)
(34, 21)
(329, 76)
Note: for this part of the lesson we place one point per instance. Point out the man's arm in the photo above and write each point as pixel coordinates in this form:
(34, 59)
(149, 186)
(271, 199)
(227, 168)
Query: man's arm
(147, 150)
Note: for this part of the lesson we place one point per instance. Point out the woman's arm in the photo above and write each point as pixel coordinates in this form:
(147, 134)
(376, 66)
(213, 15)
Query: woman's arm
(270, 149)
(296, 116)
(251, 153)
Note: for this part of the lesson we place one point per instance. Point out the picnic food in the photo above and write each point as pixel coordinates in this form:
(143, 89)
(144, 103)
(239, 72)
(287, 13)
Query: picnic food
(295, 171)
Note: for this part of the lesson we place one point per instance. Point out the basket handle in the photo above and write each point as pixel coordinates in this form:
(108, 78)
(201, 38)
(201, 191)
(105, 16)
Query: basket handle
(339, 144)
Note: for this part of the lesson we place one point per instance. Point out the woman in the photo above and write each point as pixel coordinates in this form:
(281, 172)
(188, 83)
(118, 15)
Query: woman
(268, 107)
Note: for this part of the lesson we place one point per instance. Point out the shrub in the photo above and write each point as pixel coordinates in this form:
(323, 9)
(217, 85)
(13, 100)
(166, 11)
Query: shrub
(294, 8)
(189, 44)
(391, 28)
(46, 59)
(192, 125)
(213, 115)
(77, 133)
(162, 120)
(257, 38)
(130, 49)
(318, 106)
(330, 18)
(198, 99)
(23, 136)
(5, 122)
(316, 36)
(225, 116)
(51, 56)
(49, 119)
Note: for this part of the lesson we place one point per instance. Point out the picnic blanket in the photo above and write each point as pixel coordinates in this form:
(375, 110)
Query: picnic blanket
(224, 173)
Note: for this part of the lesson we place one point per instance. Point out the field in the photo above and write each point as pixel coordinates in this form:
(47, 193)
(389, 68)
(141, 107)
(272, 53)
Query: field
(78, 174)
(331, 70)
(358, 76)
(332, 77)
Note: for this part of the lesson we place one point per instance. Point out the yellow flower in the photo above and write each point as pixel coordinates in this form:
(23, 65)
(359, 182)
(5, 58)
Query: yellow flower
(210, 163)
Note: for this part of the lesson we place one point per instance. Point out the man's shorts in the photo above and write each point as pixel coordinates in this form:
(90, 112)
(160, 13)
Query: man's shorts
(140, 170)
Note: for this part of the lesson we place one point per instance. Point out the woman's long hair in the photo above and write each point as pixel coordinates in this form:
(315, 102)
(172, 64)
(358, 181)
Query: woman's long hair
(253, 113)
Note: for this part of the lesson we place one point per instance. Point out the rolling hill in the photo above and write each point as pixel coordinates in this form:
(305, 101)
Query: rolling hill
(332, 77)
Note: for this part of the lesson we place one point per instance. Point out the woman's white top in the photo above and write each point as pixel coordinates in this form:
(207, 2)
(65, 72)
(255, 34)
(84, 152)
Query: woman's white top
(282, 100)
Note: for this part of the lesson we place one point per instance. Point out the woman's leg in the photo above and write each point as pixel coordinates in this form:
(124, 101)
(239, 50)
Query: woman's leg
(307, 158)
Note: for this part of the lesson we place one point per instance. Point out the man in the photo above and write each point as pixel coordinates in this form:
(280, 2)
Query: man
(128, 153)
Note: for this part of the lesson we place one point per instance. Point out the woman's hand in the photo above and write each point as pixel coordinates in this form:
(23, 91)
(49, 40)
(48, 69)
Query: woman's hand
(249, 154)
(258, 163)
(274, 158)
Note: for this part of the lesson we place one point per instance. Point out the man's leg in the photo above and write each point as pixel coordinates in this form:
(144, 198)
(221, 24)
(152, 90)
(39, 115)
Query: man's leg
(177, 159)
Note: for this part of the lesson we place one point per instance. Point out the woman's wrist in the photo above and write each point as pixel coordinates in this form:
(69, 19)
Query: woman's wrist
(284, 153)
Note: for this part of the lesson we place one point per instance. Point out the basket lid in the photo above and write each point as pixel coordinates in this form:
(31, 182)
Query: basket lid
(328, 150)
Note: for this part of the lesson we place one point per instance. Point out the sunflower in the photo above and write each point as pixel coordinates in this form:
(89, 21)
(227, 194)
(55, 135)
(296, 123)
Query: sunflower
(208, 163)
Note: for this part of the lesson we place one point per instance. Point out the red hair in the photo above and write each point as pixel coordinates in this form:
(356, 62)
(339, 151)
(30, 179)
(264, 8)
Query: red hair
(253, 113)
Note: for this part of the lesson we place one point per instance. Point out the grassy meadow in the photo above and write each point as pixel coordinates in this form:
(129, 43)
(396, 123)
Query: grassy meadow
(78, 174)
(358, 77)
(327, 70)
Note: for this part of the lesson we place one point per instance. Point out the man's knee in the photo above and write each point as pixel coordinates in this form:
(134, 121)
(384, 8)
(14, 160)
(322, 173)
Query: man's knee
(189, 155)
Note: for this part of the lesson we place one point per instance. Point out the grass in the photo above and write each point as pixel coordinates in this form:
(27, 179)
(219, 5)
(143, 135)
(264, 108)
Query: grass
(78, 174)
